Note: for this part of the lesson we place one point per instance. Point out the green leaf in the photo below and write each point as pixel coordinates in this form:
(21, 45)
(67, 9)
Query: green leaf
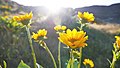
(23, 65)
(5, 64)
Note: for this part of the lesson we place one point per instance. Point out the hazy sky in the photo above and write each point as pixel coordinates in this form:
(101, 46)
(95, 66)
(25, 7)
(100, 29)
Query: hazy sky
(66, 3)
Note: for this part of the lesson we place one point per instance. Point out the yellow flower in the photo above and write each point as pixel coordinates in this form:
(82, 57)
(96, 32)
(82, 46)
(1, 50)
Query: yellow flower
(42, 32)
(23, 18)
(73, 39)
(88, 62)
(117, 41)
(87, 16)
(39, 35)
(59, 27)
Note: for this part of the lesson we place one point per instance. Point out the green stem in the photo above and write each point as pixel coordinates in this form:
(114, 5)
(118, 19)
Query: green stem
(72, 59)
(114, 59)
(79, 65)
(31, 46)
(86, 66)
(81, 27)
(113, 63)
(5, 64)
(59, 58)
(47, 49)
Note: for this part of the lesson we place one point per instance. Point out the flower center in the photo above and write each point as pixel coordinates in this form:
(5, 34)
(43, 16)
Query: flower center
(73, 40)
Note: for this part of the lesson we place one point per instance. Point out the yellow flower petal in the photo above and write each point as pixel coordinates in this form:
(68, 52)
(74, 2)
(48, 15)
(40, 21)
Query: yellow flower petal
(79, 15)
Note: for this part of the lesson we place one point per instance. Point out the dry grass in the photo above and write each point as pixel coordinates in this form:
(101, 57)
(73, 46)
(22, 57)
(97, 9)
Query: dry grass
(109, 28)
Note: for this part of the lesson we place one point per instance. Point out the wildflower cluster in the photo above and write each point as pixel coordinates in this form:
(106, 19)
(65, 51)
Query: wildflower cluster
(72, 38)
(88, 62)
(9, 24)
(5, 14)
(24, 19)
(75, 39)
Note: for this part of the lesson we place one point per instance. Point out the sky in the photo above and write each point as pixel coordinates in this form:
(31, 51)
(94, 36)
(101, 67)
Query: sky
(65, 3)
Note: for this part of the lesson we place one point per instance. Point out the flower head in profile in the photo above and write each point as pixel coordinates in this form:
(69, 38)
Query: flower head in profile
(88, 62)
(117, 42)
(24, 19)
(60, 28)
(73, 38)
(41, 34)
(86, 16)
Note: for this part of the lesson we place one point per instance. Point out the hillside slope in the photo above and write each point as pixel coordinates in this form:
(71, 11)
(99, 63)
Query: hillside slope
(105, 13)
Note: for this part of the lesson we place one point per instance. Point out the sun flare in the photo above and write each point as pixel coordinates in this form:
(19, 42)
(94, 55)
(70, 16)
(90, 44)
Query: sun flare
(53, 9)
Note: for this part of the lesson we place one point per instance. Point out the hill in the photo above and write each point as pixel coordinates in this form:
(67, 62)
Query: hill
(102, 13)
(109, 13)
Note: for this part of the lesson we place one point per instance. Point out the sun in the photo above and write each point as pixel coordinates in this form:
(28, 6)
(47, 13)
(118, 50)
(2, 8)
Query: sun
(53, 9)
(54, 6)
